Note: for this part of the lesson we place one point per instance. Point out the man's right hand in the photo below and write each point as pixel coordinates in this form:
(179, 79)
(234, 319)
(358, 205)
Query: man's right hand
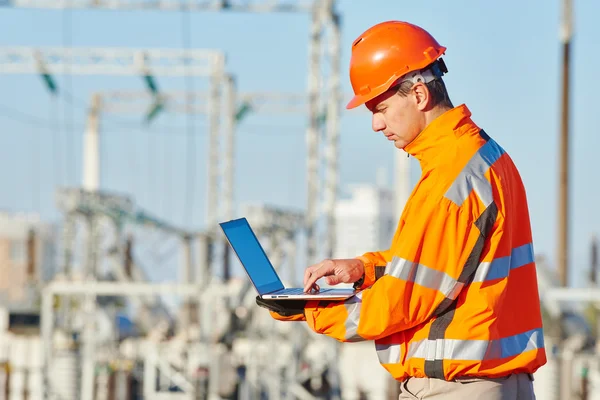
(335, 271)
(285, 308)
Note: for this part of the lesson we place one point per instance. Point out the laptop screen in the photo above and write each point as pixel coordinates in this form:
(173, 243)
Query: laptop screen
(251, 255)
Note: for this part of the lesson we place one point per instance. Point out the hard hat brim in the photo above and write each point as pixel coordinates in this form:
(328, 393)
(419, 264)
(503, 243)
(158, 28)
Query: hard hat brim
(358, 99)
(355, 102)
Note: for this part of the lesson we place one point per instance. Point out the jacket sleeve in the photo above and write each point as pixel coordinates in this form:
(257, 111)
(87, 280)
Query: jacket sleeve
(374, 263)
(430, 263)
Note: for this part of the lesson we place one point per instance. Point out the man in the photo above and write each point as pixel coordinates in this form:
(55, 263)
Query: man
(453, 304)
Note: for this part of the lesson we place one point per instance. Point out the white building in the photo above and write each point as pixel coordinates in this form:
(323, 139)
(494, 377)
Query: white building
(27, 258)
(365, 221)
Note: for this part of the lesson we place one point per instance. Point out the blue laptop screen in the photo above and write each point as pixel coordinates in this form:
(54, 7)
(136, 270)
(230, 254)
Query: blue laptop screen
(251, 255)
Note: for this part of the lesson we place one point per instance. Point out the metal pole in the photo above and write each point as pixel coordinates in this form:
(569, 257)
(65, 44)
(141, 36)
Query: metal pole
(312, 134)
(128, 256)
(202, 273)
(186, 278)
(332, 130)
(150, 373)
(566, 32)
(89, 359)
(91, 149)
(32, 259)
(563, 228)
(92, 247)
(331, 153)
(214, 101)
(228, 165)
(213, 154)
(186, 275)
(68, 239)
(47, 326)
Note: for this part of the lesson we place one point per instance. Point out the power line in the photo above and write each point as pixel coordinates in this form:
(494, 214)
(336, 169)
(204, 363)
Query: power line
(247, 128)
(25, 118)
(73, 100)
(170, 129)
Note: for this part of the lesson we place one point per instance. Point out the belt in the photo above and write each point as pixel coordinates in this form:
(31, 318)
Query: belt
(475, 378)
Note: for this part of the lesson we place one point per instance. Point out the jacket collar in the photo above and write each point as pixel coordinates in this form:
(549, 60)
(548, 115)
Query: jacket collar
(437, 138)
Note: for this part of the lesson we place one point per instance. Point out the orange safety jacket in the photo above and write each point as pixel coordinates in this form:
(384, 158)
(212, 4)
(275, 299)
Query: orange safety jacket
(456, 294)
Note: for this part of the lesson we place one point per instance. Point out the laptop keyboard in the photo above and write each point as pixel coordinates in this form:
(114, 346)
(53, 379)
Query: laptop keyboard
(299, 291)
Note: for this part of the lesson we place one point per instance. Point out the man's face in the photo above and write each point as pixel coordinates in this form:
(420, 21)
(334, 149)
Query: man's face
(399, 118)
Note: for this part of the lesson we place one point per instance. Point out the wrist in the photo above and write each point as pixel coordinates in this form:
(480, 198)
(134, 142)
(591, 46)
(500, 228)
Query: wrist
(367, 278)
(358, 284)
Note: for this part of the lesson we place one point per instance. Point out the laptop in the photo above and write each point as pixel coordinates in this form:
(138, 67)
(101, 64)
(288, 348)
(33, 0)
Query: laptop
(253, 258)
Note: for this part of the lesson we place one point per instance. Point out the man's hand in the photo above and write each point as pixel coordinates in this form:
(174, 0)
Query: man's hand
(335, 271)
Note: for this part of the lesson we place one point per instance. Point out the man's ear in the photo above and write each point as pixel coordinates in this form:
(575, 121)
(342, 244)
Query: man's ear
(422, 96)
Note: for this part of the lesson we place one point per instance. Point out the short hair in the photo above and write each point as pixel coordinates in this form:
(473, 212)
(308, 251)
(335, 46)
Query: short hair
(437, 90)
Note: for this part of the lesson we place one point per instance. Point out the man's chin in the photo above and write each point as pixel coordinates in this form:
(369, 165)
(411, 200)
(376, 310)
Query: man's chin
(399, 144)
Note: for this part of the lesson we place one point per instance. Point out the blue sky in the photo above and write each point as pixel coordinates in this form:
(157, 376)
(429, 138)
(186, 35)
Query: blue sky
(504, 62)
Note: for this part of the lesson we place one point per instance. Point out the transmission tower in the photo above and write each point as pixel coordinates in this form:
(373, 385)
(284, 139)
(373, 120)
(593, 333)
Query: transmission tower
(146, 63)
(324, 38)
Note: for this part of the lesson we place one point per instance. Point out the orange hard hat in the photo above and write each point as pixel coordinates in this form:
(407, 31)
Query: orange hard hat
(386, 52)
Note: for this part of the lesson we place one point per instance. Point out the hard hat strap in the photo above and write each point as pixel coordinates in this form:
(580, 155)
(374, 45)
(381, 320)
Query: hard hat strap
(426, 75)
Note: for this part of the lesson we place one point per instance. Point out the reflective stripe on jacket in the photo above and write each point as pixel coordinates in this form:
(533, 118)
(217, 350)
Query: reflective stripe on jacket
(456, 293)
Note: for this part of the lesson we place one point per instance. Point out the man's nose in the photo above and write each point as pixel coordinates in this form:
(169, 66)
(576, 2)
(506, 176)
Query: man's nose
(377, 123)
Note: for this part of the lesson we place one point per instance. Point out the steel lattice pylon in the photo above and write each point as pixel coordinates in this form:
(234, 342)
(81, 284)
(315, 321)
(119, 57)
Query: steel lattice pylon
(324, 20)
(206, 63)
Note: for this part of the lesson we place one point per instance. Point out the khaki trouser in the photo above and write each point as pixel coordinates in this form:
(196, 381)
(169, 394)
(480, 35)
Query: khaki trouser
(511, 387)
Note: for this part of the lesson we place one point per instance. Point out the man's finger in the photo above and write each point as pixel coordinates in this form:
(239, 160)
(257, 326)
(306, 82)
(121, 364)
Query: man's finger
(313, 277)
(311, 282)
(308, 271)
(316, 274)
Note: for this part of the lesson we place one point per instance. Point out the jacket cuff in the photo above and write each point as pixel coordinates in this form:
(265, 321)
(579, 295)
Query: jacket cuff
(279, 317)
(369, 276)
